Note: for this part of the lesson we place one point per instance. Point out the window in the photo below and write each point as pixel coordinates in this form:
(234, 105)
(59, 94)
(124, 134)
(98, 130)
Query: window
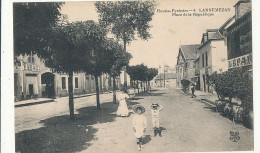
(76, 82)
(30, 59)
(63, 82)
(202, 60)
(206, 58)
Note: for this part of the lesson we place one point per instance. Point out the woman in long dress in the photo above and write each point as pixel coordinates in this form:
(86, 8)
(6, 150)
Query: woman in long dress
(122, 108)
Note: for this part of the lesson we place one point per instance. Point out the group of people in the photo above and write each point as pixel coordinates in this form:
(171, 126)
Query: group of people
(139, 120)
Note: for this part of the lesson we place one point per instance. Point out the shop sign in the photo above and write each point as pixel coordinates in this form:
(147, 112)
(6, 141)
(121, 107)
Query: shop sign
(240, 61)
(31, 67)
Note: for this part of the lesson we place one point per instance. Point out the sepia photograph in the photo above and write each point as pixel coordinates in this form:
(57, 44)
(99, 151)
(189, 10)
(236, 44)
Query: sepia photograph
(132, 76)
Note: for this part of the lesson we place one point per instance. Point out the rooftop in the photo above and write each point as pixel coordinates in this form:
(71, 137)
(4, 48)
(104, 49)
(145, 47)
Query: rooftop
(189, 51)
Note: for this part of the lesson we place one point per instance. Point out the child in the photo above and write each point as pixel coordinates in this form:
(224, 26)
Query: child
(122, 107)
(139, 124)
(155, 110)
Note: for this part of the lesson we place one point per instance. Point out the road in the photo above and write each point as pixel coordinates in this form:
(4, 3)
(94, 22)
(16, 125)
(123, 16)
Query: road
(188, 125)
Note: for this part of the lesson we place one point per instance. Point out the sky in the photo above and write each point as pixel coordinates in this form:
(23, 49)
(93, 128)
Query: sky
(168, 31)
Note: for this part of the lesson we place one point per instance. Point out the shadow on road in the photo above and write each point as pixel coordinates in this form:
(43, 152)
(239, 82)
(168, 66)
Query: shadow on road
(151, 94)
(60, 134)
(146, 139)
(212, 109)
(135, 98)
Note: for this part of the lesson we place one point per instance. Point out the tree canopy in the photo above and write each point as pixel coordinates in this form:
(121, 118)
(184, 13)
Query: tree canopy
(33, 23)
(141, 72)
(124, 18)
(118, 57)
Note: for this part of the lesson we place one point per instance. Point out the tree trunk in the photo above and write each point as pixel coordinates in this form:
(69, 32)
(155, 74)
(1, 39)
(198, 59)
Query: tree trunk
(149, 86)
(138, 86)
(101, 84)
(144, 86)
(97, 92)
(134, 87)
(125, 76)
(71, 103)
(114, 90)
(141, 84)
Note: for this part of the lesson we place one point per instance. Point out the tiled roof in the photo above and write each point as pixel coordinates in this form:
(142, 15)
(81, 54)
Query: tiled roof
(189, 51)
(217, 35)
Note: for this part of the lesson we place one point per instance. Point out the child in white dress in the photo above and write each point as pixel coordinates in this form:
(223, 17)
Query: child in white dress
(139, 124)
(122, 107)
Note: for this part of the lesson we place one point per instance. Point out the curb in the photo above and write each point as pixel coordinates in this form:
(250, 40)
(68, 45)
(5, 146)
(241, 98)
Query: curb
(203, 100)
(34, 103)
(52, 100)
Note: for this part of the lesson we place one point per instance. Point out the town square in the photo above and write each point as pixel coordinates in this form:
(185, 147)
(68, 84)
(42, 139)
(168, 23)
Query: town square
(130, 76)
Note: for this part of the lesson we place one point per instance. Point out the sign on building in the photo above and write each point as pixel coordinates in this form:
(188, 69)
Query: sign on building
(31, 67)
(240, 61)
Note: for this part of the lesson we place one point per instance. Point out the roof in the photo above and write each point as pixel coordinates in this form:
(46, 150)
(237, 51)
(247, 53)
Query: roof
(217, 36)
(242, 1)
(224, 26)
(189, 51)
(167, 76)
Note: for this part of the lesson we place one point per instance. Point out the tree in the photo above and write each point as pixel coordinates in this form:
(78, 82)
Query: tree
(132, 72)
(66, 51)
(99, 51)
(126, 18)
(33, 23)
(120, 59)
(150, 74)
(138, 73)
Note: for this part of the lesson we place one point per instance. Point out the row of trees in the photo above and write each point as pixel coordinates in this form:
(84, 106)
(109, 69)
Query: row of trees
(40, 28)
(141, 73)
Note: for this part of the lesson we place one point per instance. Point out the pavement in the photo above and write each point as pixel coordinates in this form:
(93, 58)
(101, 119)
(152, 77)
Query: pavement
(46, 100)
(187, 124)
(205, 96)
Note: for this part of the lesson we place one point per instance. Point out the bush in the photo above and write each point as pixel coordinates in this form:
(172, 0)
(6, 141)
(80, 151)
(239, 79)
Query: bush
(227, 84)
(185, 84)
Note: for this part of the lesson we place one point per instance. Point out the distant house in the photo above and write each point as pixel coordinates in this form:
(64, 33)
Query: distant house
(168, 78)
(185, 63)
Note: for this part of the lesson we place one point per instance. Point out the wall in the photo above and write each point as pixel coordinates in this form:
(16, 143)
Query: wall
(219, 55)
(203, 50)
(242, 9)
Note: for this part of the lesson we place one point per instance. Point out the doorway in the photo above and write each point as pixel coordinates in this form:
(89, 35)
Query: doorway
(204, 83)
(47, 81)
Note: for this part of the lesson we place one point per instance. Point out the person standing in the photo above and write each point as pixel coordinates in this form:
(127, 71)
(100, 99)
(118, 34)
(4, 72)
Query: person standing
(193, 91)
(122, 107)
(139, 125)
(155, 111)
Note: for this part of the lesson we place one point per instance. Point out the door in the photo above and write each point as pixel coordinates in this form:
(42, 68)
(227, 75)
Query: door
(31, 89)
(204, 83)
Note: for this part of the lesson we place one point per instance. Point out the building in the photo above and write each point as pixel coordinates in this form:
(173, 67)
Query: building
(239, 37)
(33, 78)
(168, 78)
(211, 56)
(185, 63)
